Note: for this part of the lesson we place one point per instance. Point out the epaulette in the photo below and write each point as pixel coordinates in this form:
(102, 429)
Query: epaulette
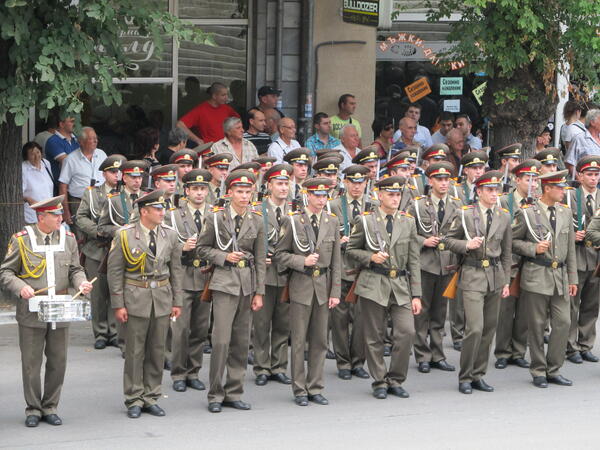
(69, 233)
(564, 205)
(504, 209)
(526, 205)
(113, 195)
(415, 175)
(366, 213)
(404, 213)
(457, 184)
(569, 188)
(467, 207)
(20, 233)
(258, 213)
(292, 213)
(456, 199)
(412, 186)
(419, 197)
(218, 208)
(332, 214)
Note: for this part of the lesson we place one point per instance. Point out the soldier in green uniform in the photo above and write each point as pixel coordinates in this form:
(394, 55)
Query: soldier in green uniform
(190, 332)
(233, 241)
(434, 214)
(165, 179)
(144, 277)
(473, 166)
(272, 322)
(299, 159)
(384, 245)
(42, 256)
(509, 156)
(543, 234)
(204, 151)
(369, 158)
(481, 233)
(400, 165)
(550, 159)
(309, 245)
(218, 166)
(185, 160)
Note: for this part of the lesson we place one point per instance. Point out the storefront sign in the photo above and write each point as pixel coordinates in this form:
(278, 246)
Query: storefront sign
(401, 43)
(479, 91)
(452, 106)
(451, 86)
(361, 12)
(417, 90)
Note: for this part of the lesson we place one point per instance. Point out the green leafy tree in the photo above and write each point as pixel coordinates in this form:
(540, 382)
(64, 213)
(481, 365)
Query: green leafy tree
(57, 53)
(522, 45)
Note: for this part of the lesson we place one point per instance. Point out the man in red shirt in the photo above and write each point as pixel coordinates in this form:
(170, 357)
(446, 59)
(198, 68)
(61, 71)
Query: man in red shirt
(207, 118)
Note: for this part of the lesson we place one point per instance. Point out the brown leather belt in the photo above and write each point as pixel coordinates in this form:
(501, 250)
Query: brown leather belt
(148, 284)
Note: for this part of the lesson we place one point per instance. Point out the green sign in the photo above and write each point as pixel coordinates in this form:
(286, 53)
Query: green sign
(451, 86)
(361, 12)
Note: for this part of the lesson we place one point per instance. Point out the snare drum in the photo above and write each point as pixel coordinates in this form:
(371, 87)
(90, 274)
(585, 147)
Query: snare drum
(64, 310)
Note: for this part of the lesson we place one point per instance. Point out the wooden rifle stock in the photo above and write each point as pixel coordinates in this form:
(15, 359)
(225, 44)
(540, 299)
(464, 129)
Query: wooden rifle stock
(515, 285)
(206, 292)
(450, 291)
(597, 271)
(285, 294)
(351, 296)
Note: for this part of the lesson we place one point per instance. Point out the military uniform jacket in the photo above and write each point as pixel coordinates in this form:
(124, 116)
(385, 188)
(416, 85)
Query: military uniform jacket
(195, 271)
(117, 211)
(439, 260)
(496, 249)
(293, 247)
(128, 254)
(463, 192)
(418, 181)
(509, 202)
(337, 209)
(409, 193)
(215, 242)
(14, 268)
(88, 215)
(537, 278)
(404, 250)
(587, 255)
(276, 274)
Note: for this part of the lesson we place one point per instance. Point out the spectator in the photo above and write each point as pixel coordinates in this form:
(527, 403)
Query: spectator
(42, 137)
(322, 138)
(256, 131)
(543, 140)
(408, 130)
(455, 140)
(587, 143)
(346, 108)
(60, 145)
(423, 136)
(243, 150)
(268, 98)
(463, 123)
(383, 130)
(38, 183)
(80, 170)
(573, 126)
(177, 141)
(272, 119)
(446, 124)
(349, 146)
(286, 142)
(207, 118)
(145, 146)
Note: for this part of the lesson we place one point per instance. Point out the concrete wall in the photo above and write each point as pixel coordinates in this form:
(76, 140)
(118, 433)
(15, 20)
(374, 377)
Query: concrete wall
(348, 68)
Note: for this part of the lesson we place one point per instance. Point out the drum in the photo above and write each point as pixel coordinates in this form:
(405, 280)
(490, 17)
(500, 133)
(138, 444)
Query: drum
(64, 310)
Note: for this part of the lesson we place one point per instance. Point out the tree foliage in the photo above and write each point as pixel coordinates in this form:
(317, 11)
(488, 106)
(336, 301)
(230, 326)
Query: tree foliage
(60, 51)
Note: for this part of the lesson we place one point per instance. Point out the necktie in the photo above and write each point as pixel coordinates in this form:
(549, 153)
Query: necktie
(552, 211)
(168, 202)
(198, 220)
(441, 211)
(389, 224)
(278, 215)
(315, 225)
(152, 244)
(47, 240)
(133, 197)
(488, 224)
(589, 205)
(218, 192)
(238, 224)
(355, 208)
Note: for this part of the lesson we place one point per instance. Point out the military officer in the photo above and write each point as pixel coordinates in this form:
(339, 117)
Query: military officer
(185, 160)
(509, 159)
(204, 151)
(543, 234)
(584, 201)
(144, 277)
(271, 322)
(481, 233)
(300, 161)
(346, 321)
(434, 215)
(550, 159)
(309, 245)
(233, 241)
(400, 165)
(369, 158)
(190, 332)
(42, 256)
(384, 245)
(328, 168)
(95, 250)
(218, 166)
(511, 333)
(473, 166)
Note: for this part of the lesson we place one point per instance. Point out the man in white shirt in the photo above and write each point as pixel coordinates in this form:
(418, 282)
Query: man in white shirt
(423, 135)
(349, 146)
(463, 123)
(587, 143)
(286, 142)
(446, 124)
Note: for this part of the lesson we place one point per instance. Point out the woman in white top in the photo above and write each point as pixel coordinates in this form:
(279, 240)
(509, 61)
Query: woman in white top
(573, 125)
(37, 179)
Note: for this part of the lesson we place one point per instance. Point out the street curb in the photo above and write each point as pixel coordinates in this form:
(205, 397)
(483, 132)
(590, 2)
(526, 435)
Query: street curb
(8, 318)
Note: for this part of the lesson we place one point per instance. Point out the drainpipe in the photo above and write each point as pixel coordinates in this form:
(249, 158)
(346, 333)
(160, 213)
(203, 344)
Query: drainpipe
(307, 87)
(279, 45)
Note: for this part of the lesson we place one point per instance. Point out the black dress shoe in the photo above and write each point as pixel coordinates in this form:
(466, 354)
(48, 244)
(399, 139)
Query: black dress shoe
(237, 404)
(301, 400)
(330, 354)
(52, 419)
(398, 391)
(261, 380)
(196, 384)
(134, 412)
(113, 343)
(167, 365)
(214, 407)
(481, 385)
(465, 388)
(179, 386)
(575, 358)
(155, 410)
(281, 378)
(457, 346)
(32, 421)
(360, 373)
(589, 356)
(319, 399)
(519, 362)
(424, 367)
(387, 350)
(380, 393)
(100, 344)
(540, 382)
(207, 350)
(250, 358)
(560, 380)
(443, 365)
(345, 374)
(501, 363)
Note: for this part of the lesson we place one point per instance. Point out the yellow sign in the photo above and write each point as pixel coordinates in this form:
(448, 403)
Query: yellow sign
(417, 90)
(479, 91)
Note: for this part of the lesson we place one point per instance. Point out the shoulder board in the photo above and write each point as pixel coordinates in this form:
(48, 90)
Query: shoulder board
(468, 207)
(218, 208)
(456, 199)
(415, 175)
(332, 215)
(114, 195)
(564, 205)
(69, 233)
(172, 209)
(404, 213)
(366, 213)
(128, 226)
(504, 209)
(569, 188)
(91, 188)
(411, 186)
(457, 184)
(419, 197)
(258, 213)
(526, 205)
(20, 233)
(292, 213)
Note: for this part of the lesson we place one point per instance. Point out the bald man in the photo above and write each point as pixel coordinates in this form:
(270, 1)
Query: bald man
(286, 142)
(408, 130)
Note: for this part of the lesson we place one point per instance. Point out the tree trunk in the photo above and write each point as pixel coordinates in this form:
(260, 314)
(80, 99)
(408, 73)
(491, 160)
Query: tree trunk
(519, 120)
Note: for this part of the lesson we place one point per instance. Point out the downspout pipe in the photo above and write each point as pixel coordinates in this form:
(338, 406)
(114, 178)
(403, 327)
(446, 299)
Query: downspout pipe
(279, 45)
(307, 86)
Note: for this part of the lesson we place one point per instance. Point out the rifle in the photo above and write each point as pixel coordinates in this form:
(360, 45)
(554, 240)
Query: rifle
(506, 186)
(351, 296)
(206, 292)
(450, 291)
(515, 284)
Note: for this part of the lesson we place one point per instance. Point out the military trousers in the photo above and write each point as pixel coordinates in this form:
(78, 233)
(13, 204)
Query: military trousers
(347, 332)
(584, 313)
(481, 318)
(374, 321)
(189, 334)
(457, 317)
(104, 324)
(271, 331)
(511, 333)
(34, 344)
(230, 341)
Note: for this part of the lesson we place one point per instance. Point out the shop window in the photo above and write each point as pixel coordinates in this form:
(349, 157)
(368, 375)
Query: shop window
(213, 9)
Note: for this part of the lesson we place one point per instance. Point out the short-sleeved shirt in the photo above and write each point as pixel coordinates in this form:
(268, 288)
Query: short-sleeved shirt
(571, 131)
(313, 143)
(438, 138)
(37, 185)
(261, 141)
(279, 149)
(337, 124)
(582, 145)
(56, 146)
(248, 151)
(208, 120)
(474, 142)
(77, 171)
(347, 162)
(423, 136)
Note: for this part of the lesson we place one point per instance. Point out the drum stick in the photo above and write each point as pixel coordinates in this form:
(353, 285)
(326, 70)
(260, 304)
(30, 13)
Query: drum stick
(39, 291)
(80, 292)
